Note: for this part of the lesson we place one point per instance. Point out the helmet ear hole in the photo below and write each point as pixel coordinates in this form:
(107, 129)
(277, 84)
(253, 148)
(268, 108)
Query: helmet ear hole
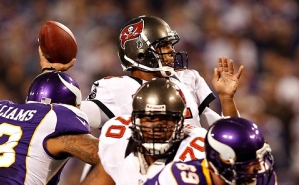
(141, 56)
(151, 59)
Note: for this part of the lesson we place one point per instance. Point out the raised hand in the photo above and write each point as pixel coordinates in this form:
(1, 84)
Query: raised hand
(225, 81)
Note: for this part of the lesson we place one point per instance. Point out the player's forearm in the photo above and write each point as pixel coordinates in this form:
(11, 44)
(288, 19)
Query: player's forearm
(229, 107)
(83, 146)
(98, 176)
(92, 177)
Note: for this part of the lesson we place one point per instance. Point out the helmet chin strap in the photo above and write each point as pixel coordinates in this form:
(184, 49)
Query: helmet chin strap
(165, 71)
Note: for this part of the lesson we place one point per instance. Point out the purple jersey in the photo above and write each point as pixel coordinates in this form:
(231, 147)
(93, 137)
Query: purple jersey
(191, 172)
(194, 172)
(24, 129)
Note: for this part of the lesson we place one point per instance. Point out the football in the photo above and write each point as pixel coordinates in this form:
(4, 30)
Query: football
(57, 42)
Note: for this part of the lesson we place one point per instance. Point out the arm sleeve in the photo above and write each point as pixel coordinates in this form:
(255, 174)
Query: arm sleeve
(198, 86)
(208, 117)
(95, 115)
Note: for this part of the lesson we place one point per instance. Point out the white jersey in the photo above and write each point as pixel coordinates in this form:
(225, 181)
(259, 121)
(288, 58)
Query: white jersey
(113, 95)
(125, 166)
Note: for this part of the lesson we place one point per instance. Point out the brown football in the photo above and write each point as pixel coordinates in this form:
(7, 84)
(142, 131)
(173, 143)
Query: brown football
(57, 42)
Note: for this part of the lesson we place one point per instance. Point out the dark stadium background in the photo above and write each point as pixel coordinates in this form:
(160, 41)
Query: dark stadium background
(262, 35)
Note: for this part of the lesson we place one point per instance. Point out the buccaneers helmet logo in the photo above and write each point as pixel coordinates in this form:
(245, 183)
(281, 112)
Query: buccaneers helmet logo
(132, 32)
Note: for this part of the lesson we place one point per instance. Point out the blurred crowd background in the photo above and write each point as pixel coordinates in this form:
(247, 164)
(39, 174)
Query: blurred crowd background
(262, 35)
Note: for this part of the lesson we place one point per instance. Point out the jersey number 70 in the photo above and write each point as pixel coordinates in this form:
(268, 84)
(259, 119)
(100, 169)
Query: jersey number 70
(117, 131)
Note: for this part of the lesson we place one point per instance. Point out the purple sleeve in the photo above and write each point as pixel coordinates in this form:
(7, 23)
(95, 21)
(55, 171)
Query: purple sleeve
(70, 122)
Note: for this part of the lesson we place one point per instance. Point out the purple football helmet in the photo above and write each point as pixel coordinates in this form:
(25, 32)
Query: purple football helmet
(236, 150)
(55, 87)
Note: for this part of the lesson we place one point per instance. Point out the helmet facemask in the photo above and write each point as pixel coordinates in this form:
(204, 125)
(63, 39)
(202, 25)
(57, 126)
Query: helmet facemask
(258, 171)
(159, 108)
(157, 136)
(156, 57)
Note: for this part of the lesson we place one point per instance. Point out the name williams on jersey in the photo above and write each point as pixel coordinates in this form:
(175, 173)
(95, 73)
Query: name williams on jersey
(17, 114)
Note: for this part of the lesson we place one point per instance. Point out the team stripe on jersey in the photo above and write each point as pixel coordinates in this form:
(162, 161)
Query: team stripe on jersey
(206, 172)
(104, 108)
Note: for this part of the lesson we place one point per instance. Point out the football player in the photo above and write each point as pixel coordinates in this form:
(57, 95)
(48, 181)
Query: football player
(37, 138)
(135, 147)
(236, 154)
(146, 48)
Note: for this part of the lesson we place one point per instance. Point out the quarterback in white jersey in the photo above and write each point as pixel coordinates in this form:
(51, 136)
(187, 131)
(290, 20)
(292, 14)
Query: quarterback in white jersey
(149, 53)
(146, 48)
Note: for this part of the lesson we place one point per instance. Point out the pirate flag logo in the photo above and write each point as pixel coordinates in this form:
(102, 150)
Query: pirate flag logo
(132, 32)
